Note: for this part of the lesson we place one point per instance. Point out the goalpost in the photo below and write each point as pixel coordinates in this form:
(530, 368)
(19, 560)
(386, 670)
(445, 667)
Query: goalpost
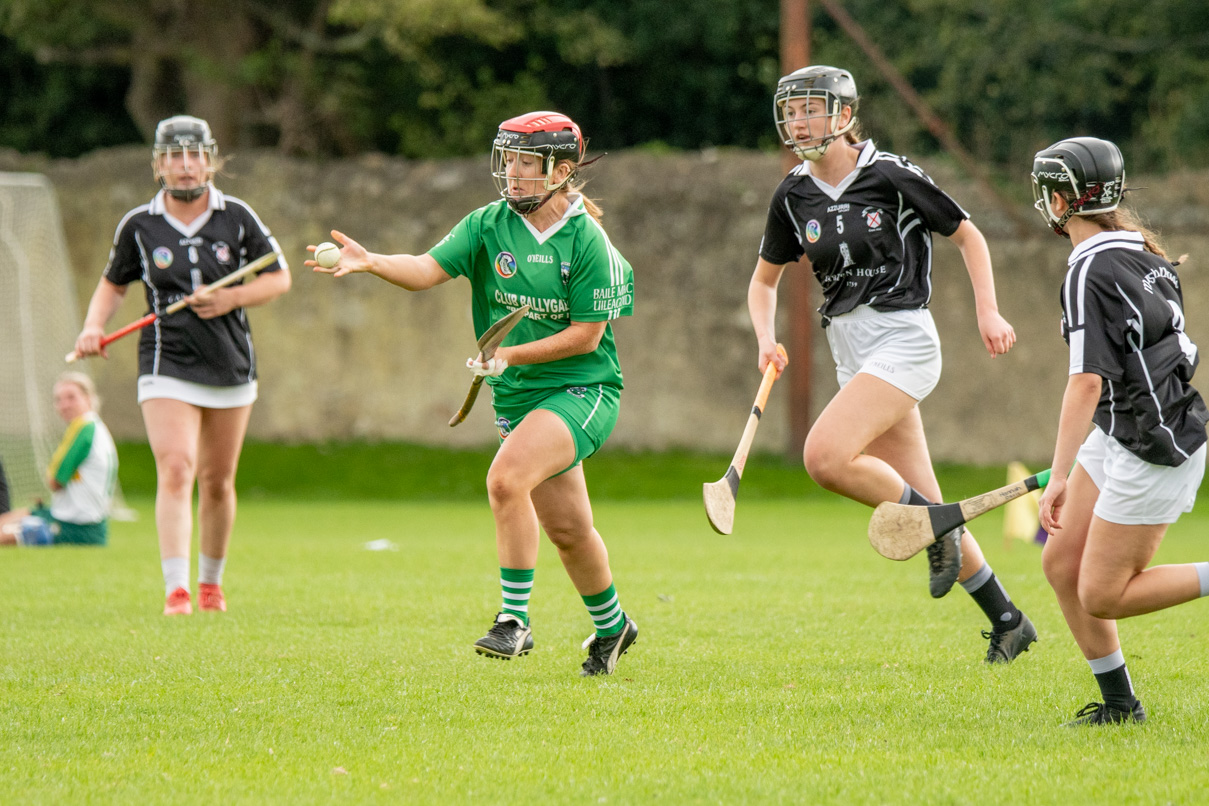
(39, 321)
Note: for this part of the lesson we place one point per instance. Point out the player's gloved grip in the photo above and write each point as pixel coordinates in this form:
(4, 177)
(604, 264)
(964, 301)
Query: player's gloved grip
(491, 368)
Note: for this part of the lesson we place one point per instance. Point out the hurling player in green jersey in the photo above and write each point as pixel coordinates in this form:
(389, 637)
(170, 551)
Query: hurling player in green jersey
(556, 381)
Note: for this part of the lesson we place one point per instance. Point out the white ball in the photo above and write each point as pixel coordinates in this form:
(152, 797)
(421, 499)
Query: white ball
(327, 254)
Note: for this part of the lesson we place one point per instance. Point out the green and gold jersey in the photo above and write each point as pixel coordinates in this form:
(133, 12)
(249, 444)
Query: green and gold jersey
(569, 273)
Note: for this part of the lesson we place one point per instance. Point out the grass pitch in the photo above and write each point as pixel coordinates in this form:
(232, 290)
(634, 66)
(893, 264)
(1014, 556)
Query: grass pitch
(787, 663)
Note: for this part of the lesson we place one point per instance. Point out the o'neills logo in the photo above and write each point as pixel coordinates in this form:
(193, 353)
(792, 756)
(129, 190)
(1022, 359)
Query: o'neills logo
(505, 264)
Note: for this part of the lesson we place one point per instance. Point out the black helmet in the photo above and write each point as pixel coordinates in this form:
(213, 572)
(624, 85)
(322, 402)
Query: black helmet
(836, 87)
(184, 133)
(1087, 171)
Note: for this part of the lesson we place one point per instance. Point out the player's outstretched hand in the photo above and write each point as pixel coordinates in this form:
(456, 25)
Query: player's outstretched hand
(353, 257)
(998, 336)
(490, 368)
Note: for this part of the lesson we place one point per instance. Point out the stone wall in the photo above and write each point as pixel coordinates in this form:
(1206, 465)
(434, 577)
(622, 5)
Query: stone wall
(360, 359)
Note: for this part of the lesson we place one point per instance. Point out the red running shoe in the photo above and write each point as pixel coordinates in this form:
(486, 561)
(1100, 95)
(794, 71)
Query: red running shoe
(178, 603)
(209, 597)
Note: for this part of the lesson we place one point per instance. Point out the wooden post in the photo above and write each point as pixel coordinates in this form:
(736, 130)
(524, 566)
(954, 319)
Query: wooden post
(797, 282)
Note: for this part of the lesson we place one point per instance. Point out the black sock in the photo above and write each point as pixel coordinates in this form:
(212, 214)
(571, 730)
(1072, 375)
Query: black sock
(993, 599)
(1116, 688)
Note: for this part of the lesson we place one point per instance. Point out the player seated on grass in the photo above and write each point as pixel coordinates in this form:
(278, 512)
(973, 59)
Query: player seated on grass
(1130, 367)
(862, 219)
(82, 476)
(556, 382)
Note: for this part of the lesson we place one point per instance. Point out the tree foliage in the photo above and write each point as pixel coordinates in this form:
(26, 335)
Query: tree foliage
(434, 77)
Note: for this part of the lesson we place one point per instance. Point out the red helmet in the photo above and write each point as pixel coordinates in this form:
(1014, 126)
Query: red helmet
(551, 137)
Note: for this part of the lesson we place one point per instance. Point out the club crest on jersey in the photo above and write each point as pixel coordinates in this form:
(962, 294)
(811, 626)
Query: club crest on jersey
(504, 426)
(222, 252)
(162, 257)
(873, 218)
(577, 391)
(813, 230)
(505, 264)
(564, 271)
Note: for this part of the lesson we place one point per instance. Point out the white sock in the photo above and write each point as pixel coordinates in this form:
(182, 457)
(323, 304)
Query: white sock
(209, 569)
(176, 573)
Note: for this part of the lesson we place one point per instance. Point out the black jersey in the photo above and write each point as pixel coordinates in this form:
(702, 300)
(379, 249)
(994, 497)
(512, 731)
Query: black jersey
(869, 240)
(1123, 317)
(173, 259)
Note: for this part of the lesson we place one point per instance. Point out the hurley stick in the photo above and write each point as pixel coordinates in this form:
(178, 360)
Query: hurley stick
(491, 339)
(720, 495)
(900, 531)
(259, 263)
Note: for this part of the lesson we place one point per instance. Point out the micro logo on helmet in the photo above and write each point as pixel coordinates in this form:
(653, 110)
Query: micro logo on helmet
(505, 265)
(813, 230)
(162, 257)
(504, 426)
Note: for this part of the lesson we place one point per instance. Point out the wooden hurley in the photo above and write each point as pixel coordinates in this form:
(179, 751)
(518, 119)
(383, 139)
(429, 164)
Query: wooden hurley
(900, 531)
(262, 262)
(491, 339)
(720, 495)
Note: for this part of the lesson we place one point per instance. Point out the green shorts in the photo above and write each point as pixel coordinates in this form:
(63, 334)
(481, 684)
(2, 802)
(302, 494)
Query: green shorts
(590, 413)
(78, 534)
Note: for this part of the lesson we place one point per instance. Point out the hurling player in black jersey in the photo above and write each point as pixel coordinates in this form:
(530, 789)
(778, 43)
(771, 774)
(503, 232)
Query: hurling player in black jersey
(197, 367)
(1141, 466)
(863, 221)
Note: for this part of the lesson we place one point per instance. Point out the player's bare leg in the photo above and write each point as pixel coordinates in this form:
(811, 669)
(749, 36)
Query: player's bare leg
(565, 512)
(1062, 561)
(222, 435)
(904, 446)
(173, 429)
(837, 457)
(864, 409)
(535, 450)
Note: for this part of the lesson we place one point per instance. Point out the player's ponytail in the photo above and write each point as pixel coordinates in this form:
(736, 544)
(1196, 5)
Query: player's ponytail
(1123, 218)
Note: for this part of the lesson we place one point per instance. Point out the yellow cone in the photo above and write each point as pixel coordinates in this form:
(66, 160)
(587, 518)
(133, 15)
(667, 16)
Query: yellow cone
(1020, 517)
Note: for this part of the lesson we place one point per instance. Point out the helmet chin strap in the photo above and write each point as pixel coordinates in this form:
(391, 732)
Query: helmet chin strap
(1074, 207)
(186, 194)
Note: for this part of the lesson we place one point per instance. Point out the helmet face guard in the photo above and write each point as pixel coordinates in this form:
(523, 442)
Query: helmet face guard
(180, 137)
(1087, 171)
(524, 154)
(835, 87)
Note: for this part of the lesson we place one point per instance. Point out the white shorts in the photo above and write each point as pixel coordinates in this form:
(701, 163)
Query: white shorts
(153, 387)
(900, 347)
(1132, 490)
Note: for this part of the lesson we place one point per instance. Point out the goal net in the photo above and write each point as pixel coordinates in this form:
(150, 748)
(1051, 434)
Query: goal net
(39, 321)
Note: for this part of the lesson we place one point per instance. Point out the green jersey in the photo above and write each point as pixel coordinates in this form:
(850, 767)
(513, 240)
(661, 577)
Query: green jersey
(569, 273)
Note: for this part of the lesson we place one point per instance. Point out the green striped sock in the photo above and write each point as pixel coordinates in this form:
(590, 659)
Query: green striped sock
(517, 584)
(605, 609)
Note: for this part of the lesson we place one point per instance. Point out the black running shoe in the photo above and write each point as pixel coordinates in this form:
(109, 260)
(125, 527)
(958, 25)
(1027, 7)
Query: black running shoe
(1098, 713)
(1006, 645)
(603, 651)
(508, 638)
(944, 562)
